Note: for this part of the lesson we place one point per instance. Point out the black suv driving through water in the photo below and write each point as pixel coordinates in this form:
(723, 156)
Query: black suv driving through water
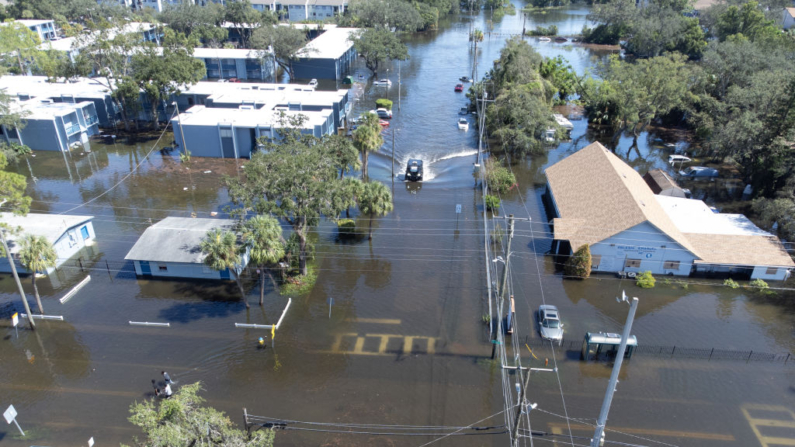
(414, 170)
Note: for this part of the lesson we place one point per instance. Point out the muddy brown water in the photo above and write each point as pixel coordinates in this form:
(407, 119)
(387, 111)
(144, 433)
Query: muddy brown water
(405, 343)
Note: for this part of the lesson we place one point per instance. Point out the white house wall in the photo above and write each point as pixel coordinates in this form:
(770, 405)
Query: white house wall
(644, 242)
(65, 247)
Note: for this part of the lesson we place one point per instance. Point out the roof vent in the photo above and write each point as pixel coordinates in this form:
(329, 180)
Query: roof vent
(642, 204)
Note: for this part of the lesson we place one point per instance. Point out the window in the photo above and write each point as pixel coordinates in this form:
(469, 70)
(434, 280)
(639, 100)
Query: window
(162, 268)
(671, 265)
(595, 261)
(190, 101)
(632, 264)
(771, 271)
(226, 133)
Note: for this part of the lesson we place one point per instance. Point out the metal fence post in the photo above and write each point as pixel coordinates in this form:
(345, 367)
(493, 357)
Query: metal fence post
(787, 359)
(710, 354)
(80, 260)
(749, 356)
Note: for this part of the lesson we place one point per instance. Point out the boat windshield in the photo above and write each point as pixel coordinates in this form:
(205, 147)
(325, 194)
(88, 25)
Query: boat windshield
(554, 324)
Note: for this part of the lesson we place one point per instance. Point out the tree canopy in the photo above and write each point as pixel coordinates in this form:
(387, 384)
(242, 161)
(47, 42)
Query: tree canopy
(182, 420)
(286, 42)
(378, 45)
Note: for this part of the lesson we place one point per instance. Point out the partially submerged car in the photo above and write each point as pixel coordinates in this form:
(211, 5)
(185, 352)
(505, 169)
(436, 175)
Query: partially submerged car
(414, 170)
(549, 324)
(383, 113)
(699, 172)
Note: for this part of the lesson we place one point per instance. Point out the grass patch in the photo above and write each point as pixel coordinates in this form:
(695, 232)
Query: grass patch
(295, 284)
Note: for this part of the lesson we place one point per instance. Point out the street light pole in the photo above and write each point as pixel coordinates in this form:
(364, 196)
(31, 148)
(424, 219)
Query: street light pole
(16, 278)
(598, 437)
(181, 132)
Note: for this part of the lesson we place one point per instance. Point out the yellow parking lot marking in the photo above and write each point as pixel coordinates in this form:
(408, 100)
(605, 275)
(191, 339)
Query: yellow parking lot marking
(787, 420)
(384, 341)
(649, 432)
(373, 320)
(408, 342)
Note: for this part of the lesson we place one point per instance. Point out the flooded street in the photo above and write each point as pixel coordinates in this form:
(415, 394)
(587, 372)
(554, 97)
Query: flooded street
(405, 343)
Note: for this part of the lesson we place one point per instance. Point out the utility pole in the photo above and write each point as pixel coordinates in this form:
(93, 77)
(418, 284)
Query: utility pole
(16, 278)
(598, 436)
(525, 383)
(504, 284)
(393, 162)
(181, 132)
(524, 20)
(393, 156)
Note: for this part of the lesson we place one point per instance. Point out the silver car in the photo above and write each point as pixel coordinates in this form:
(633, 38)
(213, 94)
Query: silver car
(549, 323)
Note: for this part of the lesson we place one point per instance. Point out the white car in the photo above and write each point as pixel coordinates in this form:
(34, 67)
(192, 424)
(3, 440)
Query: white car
(385, 82)
(549, 324)
(313, 83)
(382, 113)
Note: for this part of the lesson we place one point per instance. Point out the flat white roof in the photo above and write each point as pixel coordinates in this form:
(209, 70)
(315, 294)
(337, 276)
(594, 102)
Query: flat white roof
(694, 216)
(203, 116)
(51, 226)
(37, 86)
(562, 121)
(330, 45)
(308, 26)
(33, 22)
(227, 53)
(270, 95)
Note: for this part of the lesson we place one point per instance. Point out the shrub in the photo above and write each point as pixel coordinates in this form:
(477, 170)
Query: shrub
(645, 280)
(541, 31)
(579, 264)
(492, 202)
(346, 227)
(382, 103)
(498, 177)
(731, 283)
(760, 286)
(486, 318)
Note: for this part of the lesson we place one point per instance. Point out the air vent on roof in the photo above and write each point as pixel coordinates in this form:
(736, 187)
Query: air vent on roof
(246, 107)
(642, 204)
(46, 101)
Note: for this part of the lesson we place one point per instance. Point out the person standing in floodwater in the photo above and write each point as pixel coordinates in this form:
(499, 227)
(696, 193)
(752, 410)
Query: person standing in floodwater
(166, 377)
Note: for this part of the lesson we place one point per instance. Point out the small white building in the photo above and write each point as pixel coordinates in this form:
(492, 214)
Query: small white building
(170, 248)
(67, 233)
(599, 200)
(300, 10)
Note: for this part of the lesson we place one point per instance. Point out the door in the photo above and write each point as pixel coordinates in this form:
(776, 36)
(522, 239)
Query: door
(145, 270)
(227, 143)
(84, 232)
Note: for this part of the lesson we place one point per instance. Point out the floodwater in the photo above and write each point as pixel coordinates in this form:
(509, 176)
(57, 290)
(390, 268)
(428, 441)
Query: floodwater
(404, 342)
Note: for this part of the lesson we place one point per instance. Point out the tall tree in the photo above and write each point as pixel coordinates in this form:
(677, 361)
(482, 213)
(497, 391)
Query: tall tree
(294, 179)
(378, 45)
(631, 95)
(161, 71)
(244, 18)
(263, 237)
(346, 156)
(37, 254)
(182, 420)
(202, 22)
(375, 199)
(748, 20)
(367, 137)
(285, 41)
(223, 252)
(397, 14)
(18, 41)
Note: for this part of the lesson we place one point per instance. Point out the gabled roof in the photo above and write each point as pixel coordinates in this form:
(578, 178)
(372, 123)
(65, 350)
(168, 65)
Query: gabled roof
(599, 196)
(175, 239)
(790, 11)
(659, 181)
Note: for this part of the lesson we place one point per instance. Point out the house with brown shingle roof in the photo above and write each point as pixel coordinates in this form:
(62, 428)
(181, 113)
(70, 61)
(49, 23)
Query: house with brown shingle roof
(788, 18)
(599, 200)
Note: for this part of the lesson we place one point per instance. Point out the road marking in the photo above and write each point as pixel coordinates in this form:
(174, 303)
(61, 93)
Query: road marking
(648, 432)
(757, 423)
(358, 347)
(373, 320)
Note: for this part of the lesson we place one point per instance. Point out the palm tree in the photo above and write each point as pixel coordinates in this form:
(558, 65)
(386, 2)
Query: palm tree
(375, 199)
(367, 138)
(37, 255)
(263, 236)
(476, 36)
(222, 252)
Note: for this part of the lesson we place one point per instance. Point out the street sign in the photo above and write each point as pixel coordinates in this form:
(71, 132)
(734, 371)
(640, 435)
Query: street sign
(91, 442)
(15, 319)
(458, 209)
(10, 414)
